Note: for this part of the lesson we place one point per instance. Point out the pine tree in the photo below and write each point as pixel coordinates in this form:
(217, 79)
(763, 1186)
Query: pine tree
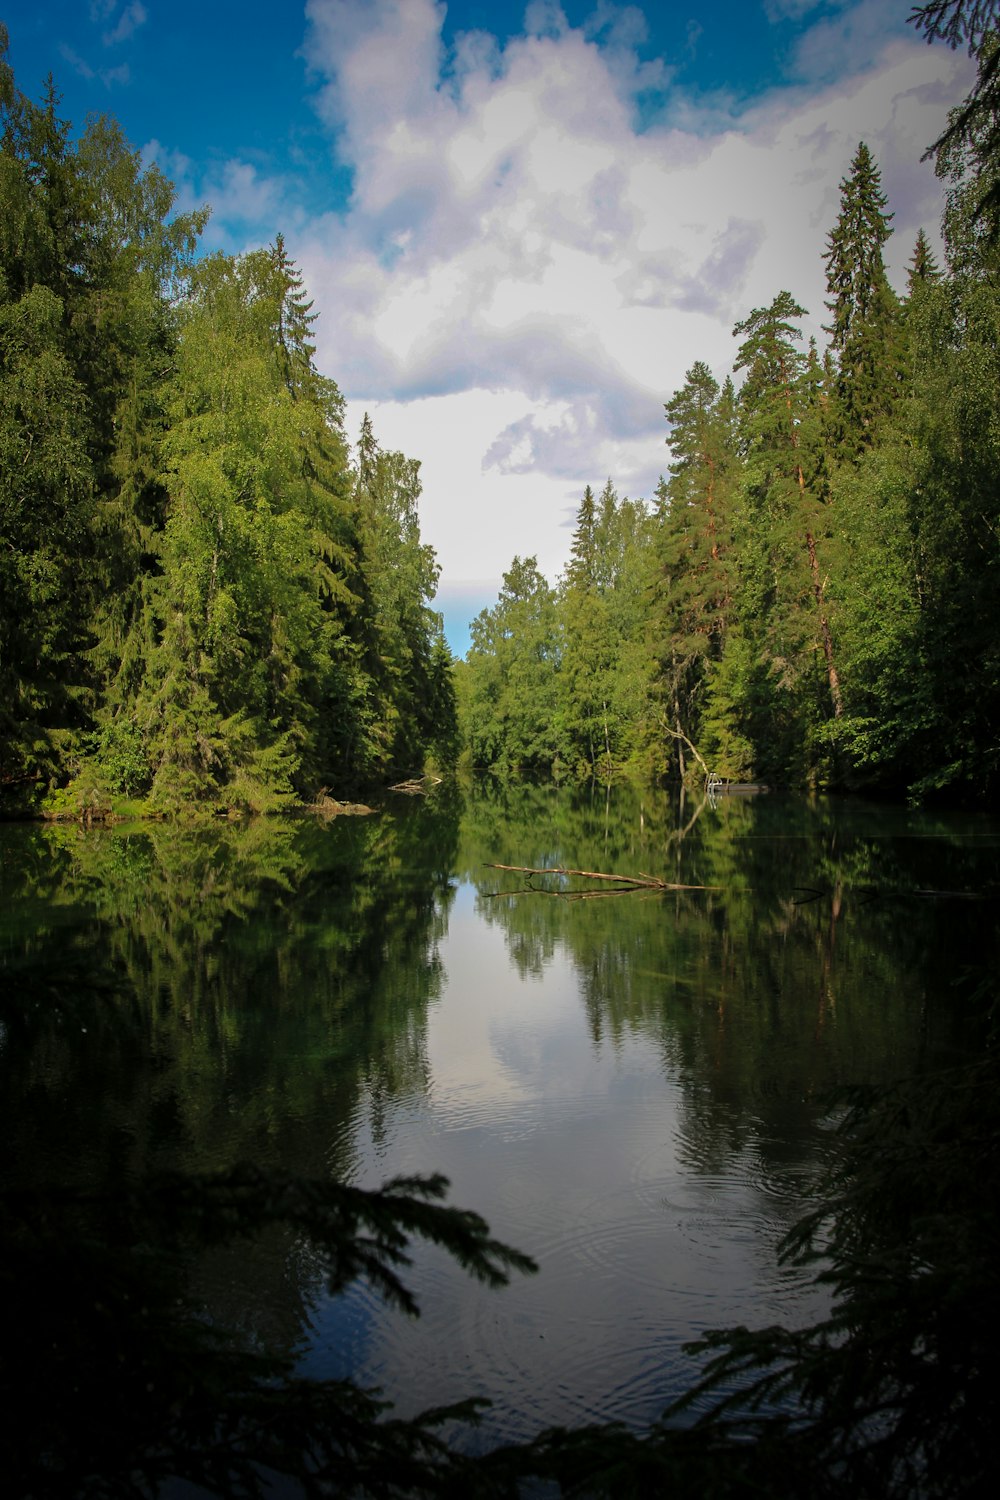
(864, 309)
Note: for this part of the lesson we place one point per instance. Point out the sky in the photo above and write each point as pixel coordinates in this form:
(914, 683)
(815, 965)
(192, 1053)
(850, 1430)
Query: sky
(521, 224)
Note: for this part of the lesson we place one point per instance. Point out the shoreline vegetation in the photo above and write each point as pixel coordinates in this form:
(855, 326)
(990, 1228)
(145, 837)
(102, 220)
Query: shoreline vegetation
(211, 596)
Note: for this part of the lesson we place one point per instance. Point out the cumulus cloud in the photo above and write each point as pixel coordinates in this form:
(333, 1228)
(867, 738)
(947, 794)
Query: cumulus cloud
(514, 234)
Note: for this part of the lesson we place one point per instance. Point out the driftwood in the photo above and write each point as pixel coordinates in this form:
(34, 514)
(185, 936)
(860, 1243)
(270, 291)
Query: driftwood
(642, 882)
(624, 883)
(417, 786)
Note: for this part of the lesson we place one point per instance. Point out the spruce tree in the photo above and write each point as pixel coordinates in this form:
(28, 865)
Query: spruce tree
(402, 635)
(253, 596)
(783, 495)
(692, 546)
(602, 610)
(864, 309)
(923, 269)
(973, 130)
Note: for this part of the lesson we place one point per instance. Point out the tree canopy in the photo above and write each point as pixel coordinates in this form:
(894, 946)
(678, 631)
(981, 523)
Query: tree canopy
(203, 601)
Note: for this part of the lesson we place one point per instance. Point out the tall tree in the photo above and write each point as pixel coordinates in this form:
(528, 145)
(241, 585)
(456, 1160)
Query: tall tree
(780, 567)
(863, 307)
(256, 555)
(923, 269)
(413, 706)
(602, 609)
(692, 552)
(89, 260)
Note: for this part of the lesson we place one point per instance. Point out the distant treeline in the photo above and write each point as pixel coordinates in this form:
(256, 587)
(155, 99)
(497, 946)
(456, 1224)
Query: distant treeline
(205, 597)
(813, 596)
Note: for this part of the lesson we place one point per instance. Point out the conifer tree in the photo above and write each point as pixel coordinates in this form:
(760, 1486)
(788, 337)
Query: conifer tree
(973, 130)
(582, 569)
(412, 709)
(256, 559)
(692, 551)
(602, 611)
(863, 307)
(923, 269)
(780, 564)
(88, 260)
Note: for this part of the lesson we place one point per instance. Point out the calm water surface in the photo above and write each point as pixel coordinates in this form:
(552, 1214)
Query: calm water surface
(634, 1088)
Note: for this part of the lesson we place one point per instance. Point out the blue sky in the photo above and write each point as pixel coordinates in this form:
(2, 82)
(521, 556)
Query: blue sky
(520, 224)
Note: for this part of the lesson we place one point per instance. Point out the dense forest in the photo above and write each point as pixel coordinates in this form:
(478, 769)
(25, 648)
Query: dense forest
(209, 596)
(811, 597)
(206, 595)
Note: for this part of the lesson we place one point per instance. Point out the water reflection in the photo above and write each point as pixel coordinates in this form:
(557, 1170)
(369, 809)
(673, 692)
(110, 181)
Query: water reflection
(631, 1088)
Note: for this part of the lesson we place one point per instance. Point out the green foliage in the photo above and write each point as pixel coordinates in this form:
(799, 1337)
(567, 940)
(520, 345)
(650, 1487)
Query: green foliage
(183, 547)
(863, 307)
(203, 599)
(692, 547)
(972, 127)
(558, 679)
(602, 609)
(511, 684)
(412, 707)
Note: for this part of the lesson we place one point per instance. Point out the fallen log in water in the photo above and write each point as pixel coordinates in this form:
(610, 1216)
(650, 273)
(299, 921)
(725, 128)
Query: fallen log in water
(638, 882)
(642, 882)
(417, 786)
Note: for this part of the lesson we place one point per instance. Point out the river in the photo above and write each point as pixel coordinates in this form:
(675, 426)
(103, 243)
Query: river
(635, 1087)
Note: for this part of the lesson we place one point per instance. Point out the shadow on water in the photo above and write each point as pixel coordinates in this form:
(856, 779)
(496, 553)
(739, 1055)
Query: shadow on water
(632, 1087)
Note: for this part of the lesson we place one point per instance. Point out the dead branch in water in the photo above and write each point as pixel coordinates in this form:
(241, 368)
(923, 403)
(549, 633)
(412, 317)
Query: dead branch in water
(625, 882)
(628, 883)
(417, 786)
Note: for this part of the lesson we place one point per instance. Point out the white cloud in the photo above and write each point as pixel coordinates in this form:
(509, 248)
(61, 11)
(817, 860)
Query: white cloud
(784, 10)
(131, 18)
(477, 519)
(523, 276)
(77, 63)
(108, 76)
(248, 207)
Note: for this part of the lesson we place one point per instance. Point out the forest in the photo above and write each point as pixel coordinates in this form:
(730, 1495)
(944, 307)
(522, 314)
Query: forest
(211, 597)
(208, 596)
(810, 599)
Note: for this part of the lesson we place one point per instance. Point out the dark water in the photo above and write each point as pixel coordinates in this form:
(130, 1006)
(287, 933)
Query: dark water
(634, 1088)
